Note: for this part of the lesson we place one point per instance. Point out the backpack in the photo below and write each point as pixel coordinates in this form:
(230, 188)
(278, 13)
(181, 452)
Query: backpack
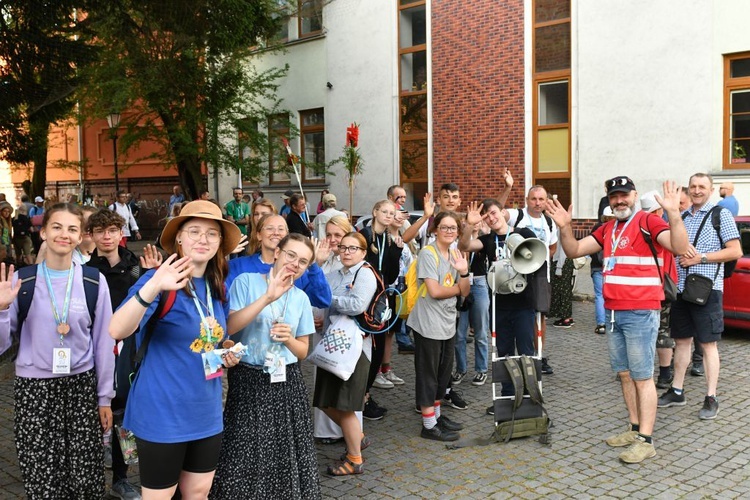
(526, 416)
(374, 319)
(27, 276)
(414, 290)
(521, 214)
(715, 214)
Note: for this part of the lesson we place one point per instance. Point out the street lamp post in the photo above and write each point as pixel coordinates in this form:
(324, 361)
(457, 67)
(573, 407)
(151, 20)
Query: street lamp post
(113, 120)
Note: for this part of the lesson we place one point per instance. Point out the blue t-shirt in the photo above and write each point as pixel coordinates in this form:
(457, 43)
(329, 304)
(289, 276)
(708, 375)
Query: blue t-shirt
(245, 290)
(731, 204)
(170, 400)
(312, 282)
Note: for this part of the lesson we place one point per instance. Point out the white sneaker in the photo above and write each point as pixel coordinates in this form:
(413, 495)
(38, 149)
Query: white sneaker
(393, 378)
(381, 382)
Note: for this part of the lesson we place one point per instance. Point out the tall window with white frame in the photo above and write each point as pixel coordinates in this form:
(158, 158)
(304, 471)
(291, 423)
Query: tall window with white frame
(313, 145)
(551, 100)
(412, 54)
(736, 110)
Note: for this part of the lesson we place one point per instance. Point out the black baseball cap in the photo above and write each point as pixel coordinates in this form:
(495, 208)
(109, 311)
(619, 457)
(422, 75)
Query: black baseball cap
(620, 184)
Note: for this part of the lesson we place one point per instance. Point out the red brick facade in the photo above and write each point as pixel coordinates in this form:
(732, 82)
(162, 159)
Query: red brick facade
(478, 95)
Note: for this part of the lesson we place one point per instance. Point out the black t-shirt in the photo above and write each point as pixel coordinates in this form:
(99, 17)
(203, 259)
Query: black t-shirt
(489, 254)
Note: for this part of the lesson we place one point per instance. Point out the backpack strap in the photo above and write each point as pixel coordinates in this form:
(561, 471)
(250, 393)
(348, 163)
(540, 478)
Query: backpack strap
(716, 222)
(528, 369)
(166, 301)
(650, 241)
(91, 289)
(27, 276)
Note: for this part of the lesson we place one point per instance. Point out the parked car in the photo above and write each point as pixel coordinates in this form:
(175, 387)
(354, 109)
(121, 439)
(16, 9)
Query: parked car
(737, 287)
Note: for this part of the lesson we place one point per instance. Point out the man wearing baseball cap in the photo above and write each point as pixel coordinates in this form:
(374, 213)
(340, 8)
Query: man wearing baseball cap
(633, 293)
(286, 208)
(36, 211)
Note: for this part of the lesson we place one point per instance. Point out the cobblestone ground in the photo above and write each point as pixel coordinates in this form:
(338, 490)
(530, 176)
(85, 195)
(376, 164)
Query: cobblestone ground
(695, 459)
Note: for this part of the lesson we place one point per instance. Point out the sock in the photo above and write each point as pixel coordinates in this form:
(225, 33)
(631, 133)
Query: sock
(677, 391)
(355, 459)
(634, 427)
(664, 372)
(447, 391)
(385, 368)
(437, 409)
(648, 439)
(429, 420)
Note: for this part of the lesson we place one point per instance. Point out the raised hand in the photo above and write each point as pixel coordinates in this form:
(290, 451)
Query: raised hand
(429, 205)
(474, 214)
(279, 284)
(507, 177)
(671, 200)
(173, 273)
(558, 213)
(8, 292)
(241, 245)
(151, 257)
(398, 240)
(322, 250)
(459, 262)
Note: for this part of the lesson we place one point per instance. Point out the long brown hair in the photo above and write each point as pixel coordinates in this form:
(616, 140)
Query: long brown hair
(253, 245)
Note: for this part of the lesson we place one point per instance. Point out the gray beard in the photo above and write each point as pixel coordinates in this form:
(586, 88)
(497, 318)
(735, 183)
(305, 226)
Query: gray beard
(623, 213)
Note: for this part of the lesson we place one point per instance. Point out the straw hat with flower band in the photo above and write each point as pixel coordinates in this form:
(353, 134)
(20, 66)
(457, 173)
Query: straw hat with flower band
(201, 209)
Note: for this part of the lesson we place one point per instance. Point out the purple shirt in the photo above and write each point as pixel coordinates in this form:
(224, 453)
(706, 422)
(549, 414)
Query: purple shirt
(90, 345)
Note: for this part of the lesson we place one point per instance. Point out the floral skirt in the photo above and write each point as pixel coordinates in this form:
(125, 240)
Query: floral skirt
(268, 449)
(562, 292)
(59, 436)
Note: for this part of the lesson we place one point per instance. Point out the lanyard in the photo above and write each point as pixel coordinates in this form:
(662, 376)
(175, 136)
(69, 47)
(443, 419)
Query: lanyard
(209, 306)
(381, 249)
(616, 241)
(61, 318)
(542, 232)
(497, 248)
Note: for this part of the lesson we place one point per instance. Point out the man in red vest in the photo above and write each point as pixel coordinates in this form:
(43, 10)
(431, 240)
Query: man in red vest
(633, 292)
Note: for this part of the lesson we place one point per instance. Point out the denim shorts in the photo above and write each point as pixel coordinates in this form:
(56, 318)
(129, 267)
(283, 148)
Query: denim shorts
(632, 342)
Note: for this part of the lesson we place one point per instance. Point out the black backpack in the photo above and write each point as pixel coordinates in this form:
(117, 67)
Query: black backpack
(715, 214)
(375, 319)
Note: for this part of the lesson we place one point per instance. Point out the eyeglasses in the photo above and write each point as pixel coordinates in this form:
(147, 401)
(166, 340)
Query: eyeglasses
(212, 235)
(448, 229)
(290, 257)
(112, 231)
(387, 212)
(351, 249)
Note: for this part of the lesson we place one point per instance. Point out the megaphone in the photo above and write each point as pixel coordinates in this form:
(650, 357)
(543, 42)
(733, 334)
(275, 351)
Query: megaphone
(504, 279)
(526, 254)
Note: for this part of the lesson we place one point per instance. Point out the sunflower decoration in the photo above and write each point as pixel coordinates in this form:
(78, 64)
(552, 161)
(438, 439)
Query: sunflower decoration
(208, 336)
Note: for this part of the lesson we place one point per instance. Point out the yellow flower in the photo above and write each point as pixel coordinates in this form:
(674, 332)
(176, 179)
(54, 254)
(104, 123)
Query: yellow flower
(208, 347)
(197, 345)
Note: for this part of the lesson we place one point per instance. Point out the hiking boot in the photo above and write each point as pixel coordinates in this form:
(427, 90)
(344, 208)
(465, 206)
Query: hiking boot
(664, 382)
(381, 382)
(124, 490)
(479, 379)
(710, 408)
(394, 379)
(664, 342)
(600, 329)
(373, 411)
(697, 370)
(458, 377)
(447, 424)
(564, 323)
(623, 439)
(454, 399)
(437, 434)
(546, 368)
(670, 398)
(639, 451)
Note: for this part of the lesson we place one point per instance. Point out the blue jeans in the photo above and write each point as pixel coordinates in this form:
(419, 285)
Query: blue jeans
(479, 317)
(402, 335)
(598, 279)
(632, 342)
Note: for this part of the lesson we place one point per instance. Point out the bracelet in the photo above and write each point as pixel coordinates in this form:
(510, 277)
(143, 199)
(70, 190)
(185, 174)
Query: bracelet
(140, 299)
(465, 275)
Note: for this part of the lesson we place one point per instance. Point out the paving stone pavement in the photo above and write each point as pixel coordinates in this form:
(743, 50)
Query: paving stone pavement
(695, 459)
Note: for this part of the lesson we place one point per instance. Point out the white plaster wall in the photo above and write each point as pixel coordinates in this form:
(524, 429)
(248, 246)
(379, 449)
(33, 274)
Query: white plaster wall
(357, 56)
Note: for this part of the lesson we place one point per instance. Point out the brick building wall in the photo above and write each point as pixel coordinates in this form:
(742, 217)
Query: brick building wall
(478, 95)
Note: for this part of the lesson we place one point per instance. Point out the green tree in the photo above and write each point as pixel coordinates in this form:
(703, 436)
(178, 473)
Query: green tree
(43, 44)
(183, 71)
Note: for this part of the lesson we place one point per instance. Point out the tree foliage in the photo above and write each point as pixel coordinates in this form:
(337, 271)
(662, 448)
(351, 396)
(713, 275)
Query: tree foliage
(43, 43)
(183, 71)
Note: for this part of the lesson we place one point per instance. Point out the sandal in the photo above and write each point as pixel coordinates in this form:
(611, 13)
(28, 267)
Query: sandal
(366, 442)
(345, 468)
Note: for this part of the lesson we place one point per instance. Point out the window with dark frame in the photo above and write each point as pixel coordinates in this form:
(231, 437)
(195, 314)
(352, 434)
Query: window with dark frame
(278, 130)
(312, 145)
(736, 110)
(310, 17)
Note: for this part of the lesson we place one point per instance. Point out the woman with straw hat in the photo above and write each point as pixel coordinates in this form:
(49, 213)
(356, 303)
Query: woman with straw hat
(174, 408)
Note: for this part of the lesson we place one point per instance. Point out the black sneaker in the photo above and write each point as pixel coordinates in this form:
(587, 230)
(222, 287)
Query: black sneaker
(600, 329)
(406, 349)
(454, 399)
(479, 379)
(697, 370)
(670, 398)
(564, 323)
(447, 424)
(710, 408)
(438, 434)
(664, 382)
(546, 368)
(373, 411)
(491, 410)
(458, 377)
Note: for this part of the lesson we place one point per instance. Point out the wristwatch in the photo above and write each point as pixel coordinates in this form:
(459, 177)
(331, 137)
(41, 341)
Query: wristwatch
(704, 259)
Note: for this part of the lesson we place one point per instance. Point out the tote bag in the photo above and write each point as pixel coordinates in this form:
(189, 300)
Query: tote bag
(339, 349)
